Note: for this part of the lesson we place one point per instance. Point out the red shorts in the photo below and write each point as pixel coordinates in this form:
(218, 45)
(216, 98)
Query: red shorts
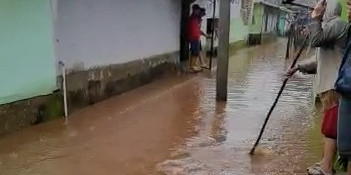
(330, 122)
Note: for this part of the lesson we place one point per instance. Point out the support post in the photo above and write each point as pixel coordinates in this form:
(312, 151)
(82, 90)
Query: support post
(223, 50)
(213, 32)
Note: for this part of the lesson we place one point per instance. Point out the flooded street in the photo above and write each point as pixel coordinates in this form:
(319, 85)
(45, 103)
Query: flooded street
(174, 126)
(291, 141)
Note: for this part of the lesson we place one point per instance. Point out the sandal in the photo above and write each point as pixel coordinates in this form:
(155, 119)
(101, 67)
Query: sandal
(318, 164)
(317, 170)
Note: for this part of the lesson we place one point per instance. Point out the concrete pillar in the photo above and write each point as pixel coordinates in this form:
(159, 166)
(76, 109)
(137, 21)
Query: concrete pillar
(223, 50)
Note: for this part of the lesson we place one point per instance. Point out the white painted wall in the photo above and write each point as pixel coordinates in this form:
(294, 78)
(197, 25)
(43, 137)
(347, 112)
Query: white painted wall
(102, 32)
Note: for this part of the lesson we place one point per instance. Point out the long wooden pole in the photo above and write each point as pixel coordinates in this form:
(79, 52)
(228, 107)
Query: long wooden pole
(213, 32)
(223, 50)
(252, 152)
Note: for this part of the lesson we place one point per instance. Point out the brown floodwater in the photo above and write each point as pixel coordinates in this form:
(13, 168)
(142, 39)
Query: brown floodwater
(292, 140)
(174, 126)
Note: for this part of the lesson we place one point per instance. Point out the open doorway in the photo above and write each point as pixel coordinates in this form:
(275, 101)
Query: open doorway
(212, 29)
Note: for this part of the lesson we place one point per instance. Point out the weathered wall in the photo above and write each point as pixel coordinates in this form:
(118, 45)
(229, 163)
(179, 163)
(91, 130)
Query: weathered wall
(239, 21)
(93, 33)
(27, 64)
(257, 20)
(110, 47)
(94, 85)
(255, 30)
(21, 114)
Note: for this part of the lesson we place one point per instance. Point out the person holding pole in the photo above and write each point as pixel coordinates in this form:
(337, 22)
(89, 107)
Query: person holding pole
(327, 32)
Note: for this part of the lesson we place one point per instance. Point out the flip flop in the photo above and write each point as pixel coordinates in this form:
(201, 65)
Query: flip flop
(317, 170)
(318, 164)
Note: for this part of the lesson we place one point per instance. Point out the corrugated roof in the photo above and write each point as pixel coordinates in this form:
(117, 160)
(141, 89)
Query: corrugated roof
(278, 3)
(309, 3)
(272, 2)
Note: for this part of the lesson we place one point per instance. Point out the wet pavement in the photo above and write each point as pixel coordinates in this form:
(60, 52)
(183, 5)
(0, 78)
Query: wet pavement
(174, 126)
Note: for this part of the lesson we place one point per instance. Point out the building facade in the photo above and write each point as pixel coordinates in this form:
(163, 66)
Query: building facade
(241, 13)
(27, 57)
(108, 47)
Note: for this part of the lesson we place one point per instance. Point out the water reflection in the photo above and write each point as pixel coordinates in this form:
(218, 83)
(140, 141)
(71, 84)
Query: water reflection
(255, 77)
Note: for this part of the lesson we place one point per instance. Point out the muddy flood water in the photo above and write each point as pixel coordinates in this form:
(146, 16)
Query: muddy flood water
(174, 126)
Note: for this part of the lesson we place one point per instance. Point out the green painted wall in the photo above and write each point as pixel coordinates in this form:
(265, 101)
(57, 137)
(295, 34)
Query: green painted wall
(27, 64)
(344, 11)
(257, 22)
(238, 31)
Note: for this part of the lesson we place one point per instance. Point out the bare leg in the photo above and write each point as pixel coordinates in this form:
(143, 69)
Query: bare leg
(328, 99)
(202, 60)
(329, 153)
(349, 169)
(193, 60)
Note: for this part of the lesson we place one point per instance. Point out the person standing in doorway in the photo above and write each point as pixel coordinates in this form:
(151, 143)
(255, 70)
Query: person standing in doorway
(194, 34)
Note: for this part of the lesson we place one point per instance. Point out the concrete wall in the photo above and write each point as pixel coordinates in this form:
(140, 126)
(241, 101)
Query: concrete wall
(255, 30)
(108, 46)
(112, 46)
(93, 33)
(27, 63)
(258, 16)
(239, 30)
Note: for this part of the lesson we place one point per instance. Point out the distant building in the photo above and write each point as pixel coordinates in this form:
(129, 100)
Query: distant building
(240, 19)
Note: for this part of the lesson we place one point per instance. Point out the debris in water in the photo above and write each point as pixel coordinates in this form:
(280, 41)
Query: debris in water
(42, 139)
(260, 151)
(14, 155)
(203, 142)
(73, 134)
(180, 167)
(179, 154)
(92, 128)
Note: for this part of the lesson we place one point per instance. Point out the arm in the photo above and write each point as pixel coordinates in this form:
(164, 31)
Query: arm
(320, 36)
(307, 67)
(203, 34)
